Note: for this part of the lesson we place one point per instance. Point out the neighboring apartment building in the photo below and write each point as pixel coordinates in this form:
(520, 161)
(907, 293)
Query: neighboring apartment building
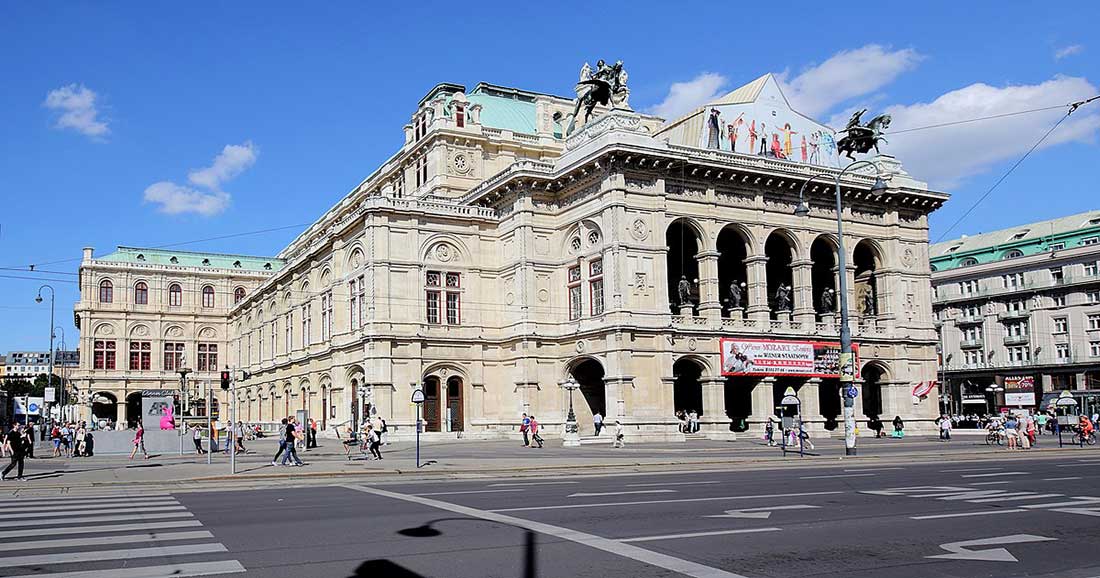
(144, 314)
(494, 257)
(1019, 307)
(31, 364)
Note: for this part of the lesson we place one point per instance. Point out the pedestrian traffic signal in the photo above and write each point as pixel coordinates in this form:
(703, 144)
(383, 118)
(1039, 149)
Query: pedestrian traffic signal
(225, 381)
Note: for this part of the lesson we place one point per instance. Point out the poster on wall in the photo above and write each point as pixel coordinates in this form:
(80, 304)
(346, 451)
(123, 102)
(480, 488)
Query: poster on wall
(1019, 390)
(767, 126)
(777, 357)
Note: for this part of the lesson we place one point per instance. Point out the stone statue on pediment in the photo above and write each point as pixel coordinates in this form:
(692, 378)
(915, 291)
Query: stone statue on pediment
(684, 290)
(606, 84)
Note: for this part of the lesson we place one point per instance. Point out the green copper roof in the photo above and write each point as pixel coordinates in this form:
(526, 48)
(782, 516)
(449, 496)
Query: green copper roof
(1019, 241)
(516, 114)
(193, 259)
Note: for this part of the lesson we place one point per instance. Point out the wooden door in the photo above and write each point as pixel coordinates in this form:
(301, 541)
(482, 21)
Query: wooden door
(431, 405)
(454, 403)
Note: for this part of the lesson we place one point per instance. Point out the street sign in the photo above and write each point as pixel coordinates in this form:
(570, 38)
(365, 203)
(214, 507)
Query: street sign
(851, 392)
(418, 396)
(51, 395)
(847, 364)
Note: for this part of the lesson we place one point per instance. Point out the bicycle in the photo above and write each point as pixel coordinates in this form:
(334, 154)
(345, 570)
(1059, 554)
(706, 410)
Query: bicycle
(1089, 439)
(994, 437)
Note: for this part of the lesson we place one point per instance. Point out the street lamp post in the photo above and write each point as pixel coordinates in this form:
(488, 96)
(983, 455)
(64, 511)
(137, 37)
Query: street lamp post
(994, 390)
(847, 361)
(38, 299)
(183, 371)
(571, 438)
(60, 391)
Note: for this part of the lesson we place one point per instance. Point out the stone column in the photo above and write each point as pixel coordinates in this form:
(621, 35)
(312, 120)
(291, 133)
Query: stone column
(709, 303)
(808, 394)
(614, 400)
(757, 294)
(803, 293)
(120, 412)
(715, 423)
(763, 404)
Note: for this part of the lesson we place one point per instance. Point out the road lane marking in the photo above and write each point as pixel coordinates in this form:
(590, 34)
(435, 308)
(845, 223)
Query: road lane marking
(1076, 465)
(993, 474)
(759, 513)
(529, 484)
(624, 493)
(697, 534)
(104, 540)
(673, 484)
(41, 514)
(966, 514)
(173, 570)
(79, 498)
(1062, 479)
(469, 492)
(75, 508)
(675, 501)
(39, 560)
(69, 504)
(99, 529)
(873, 469)
(1029, 496)
(679, 565)
(988, 483)
(835, 476)
(971, 470)
(959, 550)
(97, 519)
(1077, 501)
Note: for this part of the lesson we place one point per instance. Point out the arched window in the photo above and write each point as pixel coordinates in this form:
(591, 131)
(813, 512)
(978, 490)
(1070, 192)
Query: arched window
(106, 291)
(175, 295)
(141, 293)
(238, 294)
(208, 296)
(1013, 254)
(968, 262)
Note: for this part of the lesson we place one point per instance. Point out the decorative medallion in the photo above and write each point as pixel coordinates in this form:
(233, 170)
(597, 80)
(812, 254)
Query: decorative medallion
(692, 344)
(510, 298)
(105, 330)
(639, 230)
(175, 332)
(460, 163)
(356, 259)
(141, 331)
(207, 332)
(908, 258)
(544, 295)
(580, 347)
(444, 252)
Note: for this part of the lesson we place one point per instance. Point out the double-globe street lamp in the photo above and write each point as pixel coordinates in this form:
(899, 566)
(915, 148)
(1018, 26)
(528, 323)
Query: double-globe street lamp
(571, 437)
(38, 299)
(847, 361)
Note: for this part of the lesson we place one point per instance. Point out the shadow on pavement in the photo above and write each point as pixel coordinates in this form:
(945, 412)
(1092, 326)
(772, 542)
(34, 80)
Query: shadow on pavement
(383, 568)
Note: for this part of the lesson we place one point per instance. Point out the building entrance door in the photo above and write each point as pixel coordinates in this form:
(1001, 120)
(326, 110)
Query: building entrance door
(431, 404)
(453, 405)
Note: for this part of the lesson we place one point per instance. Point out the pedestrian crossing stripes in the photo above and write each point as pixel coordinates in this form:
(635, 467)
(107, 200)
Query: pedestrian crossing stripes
(119, 535)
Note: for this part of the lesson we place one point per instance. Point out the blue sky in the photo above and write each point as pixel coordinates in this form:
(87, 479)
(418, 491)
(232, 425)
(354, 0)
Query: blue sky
(243, 116)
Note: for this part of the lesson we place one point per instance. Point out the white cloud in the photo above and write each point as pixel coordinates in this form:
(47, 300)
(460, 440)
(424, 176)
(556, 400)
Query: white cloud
(174, 199)
(945, 156)
(845, 75)
(177, 199)
(232, 161)
(1068, 51)
(76, 103)
(684, 96)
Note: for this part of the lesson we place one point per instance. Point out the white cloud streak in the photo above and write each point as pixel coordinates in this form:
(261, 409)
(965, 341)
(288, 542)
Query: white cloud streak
(683, 97)
(175, 199)
(946, 156)
(846, 75)
(76, 104)
(1068, 51)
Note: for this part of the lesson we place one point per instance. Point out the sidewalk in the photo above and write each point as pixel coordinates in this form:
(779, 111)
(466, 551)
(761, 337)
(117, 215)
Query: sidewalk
(328, 463)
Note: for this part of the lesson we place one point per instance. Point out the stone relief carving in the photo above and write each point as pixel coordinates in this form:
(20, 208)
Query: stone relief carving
(638, 184)
(739, 198)
(685, 191)
(444, 252)
(105, 330)
(908, 258)
(639, 283)
(460, 163)
(639, 230)
(140, 331)
(175, 332)
(544, 295)
(207, 332)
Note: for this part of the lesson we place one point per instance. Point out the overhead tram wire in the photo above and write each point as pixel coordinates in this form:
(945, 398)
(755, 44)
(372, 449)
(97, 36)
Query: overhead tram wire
(1072, 108)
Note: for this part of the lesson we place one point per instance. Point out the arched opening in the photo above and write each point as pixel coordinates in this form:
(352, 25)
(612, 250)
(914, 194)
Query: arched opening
(324, 407)
(738, 400)
(866, 260)
(589, 375)
(431, 403)
(823, 275)
(780, 275)
(356, 411)
(828, 395)
(133, 409)
(732, 273)
(104, 407)
(452, 405)
(687, 391)
(683, 270)
(872, 375)
(286, 402)
(271, 406)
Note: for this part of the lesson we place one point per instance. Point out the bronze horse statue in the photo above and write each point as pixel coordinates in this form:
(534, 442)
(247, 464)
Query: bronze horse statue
(862, 138)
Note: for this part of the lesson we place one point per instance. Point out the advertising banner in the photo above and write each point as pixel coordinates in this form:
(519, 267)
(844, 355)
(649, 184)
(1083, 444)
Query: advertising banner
(777, 357)
(28, 405)
(1019, 390)
(50, 395)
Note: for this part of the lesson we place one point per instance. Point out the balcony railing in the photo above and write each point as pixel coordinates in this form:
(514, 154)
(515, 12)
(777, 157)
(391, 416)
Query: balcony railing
(1017, 339)
(970, 319)
(1013, 315)
(972, 344)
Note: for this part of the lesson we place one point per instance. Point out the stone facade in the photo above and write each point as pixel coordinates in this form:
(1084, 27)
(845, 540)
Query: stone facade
(492, 259)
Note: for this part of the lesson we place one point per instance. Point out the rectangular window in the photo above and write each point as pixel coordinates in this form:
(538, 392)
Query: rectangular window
(1061, 325)
(1094, 349)
(353, 304)
(1090, 240)
(432, 306)
(1013, 280)
(141, 355)
(104, 355)
(1092, 297)
(400, 188)
(1057, 246)
(173, 356)
(288, 342)
(208, 357)
(307, 325)
(1061, 351)
(1094, 321)
(575, 301)
(1059, 300)
(1057, 275)
(1090, 269)
(274, 336)
(595, 286)
(453, 308)
(362, 300)
(460, 116)
(968, 287)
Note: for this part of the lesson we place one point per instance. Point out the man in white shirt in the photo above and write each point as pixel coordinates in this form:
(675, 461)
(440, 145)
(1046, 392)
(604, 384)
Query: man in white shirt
(597, 422)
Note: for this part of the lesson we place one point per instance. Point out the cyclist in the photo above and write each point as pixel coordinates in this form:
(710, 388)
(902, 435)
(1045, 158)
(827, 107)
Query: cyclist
(1084, 427)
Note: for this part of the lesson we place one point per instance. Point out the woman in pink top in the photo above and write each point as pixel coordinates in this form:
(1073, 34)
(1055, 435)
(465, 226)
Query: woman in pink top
(139, 442)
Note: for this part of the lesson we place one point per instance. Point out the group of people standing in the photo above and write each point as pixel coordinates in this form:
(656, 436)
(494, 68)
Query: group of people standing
(689, 420)
(529, 428)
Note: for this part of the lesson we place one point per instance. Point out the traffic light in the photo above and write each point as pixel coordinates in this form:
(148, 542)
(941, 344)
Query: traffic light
(225, 381)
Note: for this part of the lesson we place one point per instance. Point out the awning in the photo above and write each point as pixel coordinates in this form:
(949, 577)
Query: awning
(978, 401)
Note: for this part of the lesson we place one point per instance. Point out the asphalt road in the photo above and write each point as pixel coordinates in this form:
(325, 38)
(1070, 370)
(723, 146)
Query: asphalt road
(1032, 516)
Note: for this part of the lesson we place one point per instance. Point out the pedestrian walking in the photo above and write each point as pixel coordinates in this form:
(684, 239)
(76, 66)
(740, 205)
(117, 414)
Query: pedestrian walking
(282, 442)
(311, 441)
(535, 437)
(78, 440)
(139, 442)
(55, 436)
(67, 439)
(693, 421)
(597, 422)
(31, 435)
(769, 432)
(945, 428)
(899, 427)
(196, 436)
(620, 438)
(293, 435)
(383, 434)
(14, 447)
(374, 440)
(524, 428)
